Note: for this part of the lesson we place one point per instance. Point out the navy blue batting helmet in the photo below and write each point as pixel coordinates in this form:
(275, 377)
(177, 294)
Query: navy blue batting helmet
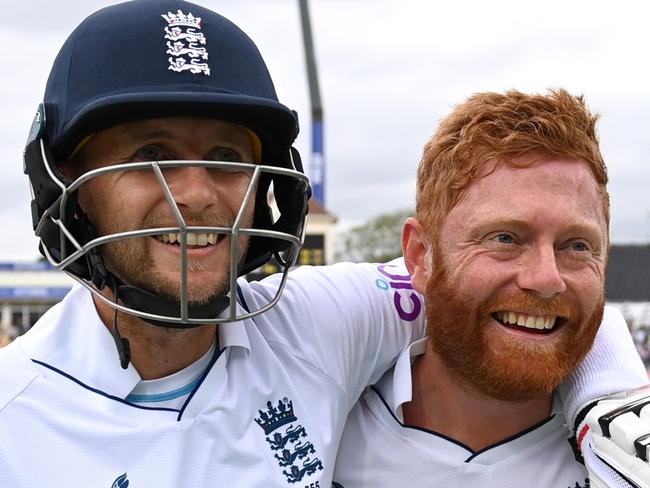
(148, 58)
(159, 58)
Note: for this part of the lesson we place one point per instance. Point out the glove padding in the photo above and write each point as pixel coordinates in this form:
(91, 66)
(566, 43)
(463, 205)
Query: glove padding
(614, 440)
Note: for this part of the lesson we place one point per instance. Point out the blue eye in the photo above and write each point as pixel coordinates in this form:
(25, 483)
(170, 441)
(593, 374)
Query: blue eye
(149, 153)
(579, 246)
(227, 155)
(504, 239)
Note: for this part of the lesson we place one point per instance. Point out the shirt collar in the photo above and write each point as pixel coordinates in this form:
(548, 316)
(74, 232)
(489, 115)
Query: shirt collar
(233, 334)
(396, 385)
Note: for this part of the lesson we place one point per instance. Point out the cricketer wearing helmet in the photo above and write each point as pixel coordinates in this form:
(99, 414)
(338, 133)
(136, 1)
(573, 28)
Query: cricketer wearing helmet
(162, 170)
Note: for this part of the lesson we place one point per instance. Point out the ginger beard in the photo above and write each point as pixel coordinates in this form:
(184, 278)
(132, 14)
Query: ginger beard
(492, 362)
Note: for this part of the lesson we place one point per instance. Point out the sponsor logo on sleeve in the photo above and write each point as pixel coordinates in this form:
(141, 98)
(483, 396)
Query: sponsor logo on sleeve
(407, 302)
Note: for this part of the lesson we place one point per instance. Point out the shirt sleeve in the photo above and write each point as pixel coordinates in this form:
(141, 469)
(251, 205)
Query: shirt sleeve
(351, 321)
(612, 365)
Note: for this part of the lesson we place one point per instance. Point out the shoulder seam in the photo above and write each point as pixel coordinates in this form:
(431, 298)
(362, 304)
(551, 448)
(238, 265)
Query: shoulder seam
(309, 363)
(4, 402)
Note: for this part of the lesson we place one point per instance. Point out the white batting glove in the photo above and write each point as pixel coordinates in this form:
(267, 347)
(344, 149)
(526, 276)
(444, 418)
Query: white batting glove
(614, 440)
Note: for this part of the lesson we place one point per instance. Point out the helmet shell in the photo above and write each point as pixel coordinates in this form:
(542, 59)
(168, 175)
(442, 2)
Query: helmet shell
(155, 58)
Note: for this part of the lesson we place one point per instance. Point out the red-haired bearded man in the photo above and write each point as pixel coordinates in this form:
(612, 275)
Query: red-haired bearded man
(509, 248)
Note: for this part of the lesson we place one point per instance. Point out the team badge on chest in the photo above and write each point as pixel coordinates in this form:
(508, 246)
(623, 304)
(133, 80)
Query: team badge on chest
(288, 441)
(186, 43)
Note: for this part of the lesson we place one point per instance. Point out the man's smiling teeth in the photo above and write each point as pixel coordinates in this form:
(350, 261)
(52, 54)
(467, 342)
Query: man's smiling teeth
(528, 321)
(193, 239)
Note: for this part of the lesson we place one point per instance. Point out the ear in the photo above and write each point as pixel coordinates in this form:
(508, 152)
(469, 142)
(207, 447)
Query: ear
(417, 257)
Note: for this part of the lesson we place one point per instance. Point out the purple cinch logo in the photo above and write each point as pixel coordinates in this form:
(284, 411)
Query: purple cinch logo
(400, 282)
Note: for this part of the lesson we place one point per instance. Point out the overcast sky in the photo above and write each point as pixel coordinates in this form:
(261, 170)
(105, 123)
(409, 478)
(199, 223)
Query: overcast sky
(389, 71)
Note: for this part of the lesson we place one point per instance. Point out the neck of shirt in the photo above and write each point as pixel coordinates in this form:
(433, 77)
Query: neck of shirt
(171, 391)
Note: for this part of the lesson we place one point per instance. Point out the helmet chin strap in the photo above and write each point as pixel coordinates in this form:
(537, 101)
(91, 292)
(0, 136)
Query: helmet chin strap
(122, 343)
(138, 298)
(145, 301)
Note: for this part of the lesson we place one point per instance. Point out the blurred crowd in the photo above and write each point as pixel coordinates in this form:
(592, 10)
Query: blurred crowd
(5, 338)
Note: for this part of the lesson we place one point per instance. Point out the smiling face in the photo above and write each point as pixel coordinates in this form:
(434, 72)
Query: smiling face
(514, 281)
(133, 200)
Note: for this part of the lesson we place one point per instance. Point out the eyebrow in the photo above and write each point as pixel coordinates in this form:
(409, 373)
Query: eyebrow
(580, 228)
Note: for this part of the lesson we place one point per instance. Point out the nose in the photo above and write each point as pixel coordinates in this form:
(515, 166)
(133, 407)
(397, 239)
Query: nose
(540, 273)
(193, 187)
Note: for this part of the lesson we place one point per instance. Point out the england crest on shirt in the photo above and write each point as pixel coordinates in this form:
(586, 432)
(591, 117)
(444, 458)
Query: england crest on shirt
(288, 440)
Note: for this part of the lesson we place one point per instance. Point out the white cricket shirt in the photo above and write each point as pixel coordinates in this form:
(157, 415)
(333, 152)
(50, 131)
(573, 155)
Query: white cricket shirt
(267, 412)
(378, 451)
